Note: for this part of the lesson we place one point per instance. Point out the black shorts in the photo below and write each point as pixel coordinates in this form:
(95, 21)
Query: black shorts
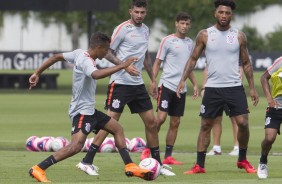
(135, 96)
(273, 118)
(169, 102)
(89, 123)
(226, 110)
(215, 98)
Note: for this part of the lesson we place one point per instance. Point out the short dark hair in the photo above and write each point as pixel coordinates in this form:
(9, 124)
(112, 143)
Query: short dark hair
(99, 38)
(139, 3)
(183, 16)
(229, 3)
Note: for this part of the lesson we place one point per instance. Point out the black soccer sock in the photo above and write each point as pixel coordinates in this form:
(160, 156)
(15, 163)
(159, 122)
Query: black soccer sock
(242, 154)
(263, 159)
(201, 157)
(168, 151)
(125, 155)
(89, 157)
(155, 152)
(47, 162)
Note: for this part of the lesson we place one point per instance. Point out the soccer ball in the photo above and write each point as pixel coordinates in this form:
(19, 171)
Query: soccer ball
(152, 165)
(87, 144)
(107, 146)
(58, 143)
(44, 144)
(31, 143)
(127, 142)
(137, 144)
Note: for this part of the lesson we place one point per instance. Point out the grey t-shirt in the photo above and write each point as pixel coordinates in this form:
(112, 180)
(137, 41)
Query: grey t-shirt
(128, 41)
(83, 85)
(223, 52)
(174, 52)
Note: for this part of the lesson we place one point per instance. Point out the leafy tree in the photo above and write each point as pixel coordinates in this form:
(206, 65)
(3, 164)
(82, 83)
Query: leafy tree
(274, 40)
(255, 41)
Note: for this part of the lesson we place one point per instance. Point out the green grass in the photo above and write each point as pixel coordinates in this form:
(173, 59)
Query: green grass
(44, 113)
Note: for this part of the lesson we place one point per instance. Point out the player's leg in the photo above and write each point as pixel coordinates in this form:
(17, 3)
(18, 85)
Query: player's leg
(131, 169)
(216, 133)
(114, 99)
(176, 107)
(211, 108)
(202, 145)
(235, 151)
(238, 105)
(266, 145)
(75, 146)
(272, 128)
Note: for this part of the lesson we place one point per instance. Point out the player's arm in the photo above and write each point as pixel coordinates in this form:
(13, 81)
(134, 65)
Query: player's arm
(201, 40)
(247, 66)
(34, 78)
(148, 65)
(192, 79)
(266, 88)
(153, 84)
(116, 61)
(98, 74)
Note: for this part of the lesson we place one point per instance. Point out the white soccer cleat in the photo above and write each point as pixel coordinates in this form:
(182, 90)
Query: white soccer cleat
(262, 171)
(88, 168)
(165, 170)
(213, 152)
(234, 152)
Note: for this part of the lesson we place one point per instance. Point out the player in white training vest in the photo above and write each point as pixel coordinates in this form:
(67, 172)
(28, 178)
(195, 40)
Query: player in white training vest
(173, 53)
(130, 39)
(84, 117)
(224, 47)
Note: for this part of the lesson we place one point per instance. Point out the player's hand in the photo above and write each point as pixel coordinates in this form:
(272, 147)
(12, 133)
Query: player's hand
(153, 90)
(33, 80)
(202, 92)
(131, 69)
(254, 96)
(180, 88)
(196, 92)
(274, 104)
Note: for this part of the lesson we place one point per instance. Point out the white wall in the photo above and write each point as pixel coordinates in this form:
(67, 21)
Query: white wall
(36, 37)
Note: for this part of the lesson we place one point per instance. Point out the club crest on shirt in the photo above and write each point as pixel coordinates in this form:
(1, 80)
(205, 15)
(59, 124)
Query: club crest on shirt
(146, 35)
(230, 38)
(116, 103)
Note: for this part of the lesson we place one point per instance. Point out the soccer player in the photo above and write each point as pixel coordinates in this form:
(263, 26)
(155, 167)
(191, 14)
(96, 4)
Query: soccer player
(224, 47)
(85, 118)
(217, 126)
(273, 116)
(173, 53)
(130, 38)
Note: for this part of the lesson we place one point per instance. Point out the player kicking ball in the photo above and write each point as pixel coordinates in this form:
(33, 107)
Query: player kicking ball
(84, 117)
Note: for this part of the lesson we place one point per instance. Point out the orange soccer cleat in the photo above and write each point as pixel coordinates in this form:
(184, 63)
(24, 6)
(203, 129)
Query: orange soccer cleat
(39, 174)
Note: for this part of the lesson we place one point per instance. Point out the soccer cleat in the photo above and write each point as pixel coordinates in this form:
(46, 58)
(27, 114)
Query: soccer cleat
(165, 170)
(213, 152)
(89, 169)
(132, 169)
(145, 154)
(247, 166)
(171, 161)
(234, 152)
(196, 169)
(39, 174)
(262, 171)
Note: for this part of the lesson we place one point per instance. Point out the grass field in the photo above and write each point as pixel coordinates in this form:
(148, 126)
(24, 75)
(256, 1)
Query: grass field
(44, 113)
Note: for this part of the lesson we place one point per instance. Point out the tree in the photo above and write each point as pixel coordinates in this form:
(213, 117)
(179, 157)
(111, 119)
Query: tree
(274, 40)
(255, 41)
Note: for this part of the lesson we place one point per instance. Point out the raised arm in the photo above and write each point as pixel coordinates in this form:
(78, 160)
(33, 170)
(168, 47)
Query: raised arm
(201, 40)
(247, 67)
(34, 78)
